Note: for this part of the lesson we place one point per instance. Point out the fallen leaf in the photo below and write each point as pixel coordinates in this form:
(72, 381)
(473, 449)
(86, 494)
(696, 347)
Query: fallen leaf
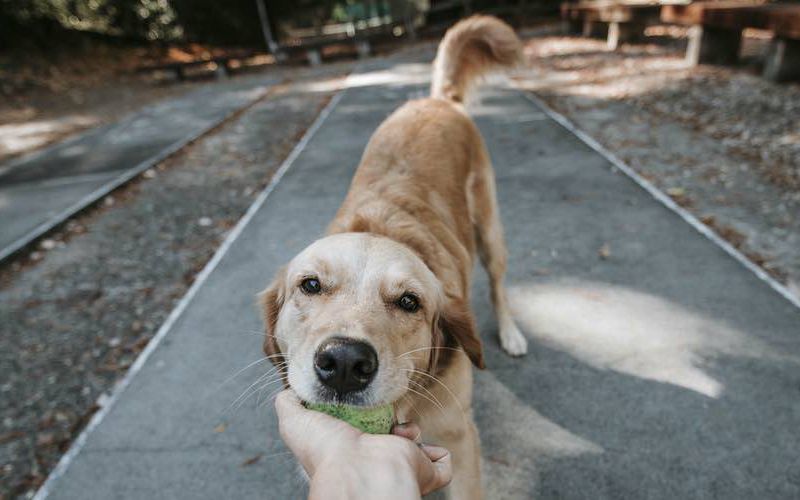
(708, 220)
(11, 436)
(604, 251)
(252, 460)
(220, 428)
(45, 439)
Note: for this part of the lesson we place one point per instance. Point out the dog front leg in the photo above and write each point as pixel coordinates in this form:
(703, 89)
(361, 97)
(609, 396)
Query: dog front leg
(465, 451)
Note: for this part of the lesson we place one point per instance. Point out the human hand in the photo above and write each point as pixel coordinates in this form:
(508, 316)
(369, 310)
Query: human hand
(343, 462)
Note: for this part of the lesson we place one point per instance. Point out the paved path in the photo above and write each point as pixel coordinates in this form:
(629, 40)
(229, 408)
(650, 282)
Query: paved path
(659, 366)
(41, 190)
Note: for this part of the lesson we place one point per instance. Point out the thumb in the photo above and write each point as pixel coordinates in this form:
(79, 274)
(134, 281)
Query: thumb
(439, 472)
(306, 432)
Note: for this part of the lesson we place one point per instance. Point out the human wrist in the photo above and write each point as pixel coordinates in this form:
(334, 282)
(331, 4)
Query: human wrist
(374, 470)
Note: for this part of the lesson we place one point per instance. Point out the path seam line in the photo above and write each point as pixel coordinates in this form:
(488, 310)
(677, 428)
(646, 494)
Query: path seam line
(107, 402)
(89, 199)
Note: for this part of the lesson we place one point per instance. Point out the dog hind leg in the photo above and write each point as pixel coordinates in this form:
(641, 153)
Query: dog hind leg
(492, 251)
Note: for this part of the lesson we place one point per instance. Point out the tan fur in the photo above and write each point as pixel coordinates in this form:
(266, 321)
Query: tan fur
(420, 207)
(468, 50)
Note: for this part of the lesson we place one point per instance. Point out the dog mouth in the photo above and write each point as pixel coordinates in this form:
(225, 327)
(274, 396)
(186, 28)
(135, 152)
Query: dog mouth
(361, 398)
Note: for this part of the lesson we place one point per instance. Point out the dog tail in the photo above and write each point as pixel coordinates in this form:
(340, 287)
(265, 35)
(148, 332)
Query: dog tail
(469, 50)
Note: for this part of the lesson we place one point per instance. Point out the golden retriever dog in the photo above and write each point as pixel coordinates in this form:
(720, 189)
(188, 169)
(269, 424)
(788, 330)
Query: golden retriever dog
(378, 310)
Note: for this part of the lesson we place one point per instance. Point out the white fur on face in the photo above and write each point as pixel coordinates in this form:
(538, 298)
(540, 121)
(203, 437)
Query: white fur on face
(362, 276)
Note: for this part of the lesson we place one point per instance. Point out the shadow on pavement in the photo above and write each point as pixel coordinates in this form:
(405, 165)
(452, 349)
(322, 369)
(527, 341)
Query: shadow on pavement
(630, 384)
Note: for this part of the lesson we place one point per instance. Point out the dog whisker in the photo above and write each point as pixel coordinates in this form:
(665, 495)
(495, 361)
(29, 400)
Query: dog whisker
(239, 372)
(430, 394)
(260, 390)
(438, 381)
(270, 396)
(412, 405)
(430, 348)
(423, 396)
(452, 394)
(254, 332)
(273, 372)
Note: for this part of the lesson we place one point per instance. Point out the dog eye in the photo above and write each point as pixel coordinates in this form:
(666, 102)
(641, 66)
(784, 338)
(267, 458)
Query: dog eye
(311, 285)
(408, 303)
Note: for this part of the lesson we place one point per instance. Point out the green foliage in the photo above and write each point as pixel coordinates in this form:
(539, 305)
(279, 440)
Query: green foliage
(234, 22)
(131, 19)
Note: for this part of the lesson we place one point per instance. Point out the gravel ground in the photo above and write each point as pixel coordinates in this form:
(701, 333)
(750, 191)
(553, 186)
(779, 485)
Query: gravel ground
(76, 312)
(722, 142)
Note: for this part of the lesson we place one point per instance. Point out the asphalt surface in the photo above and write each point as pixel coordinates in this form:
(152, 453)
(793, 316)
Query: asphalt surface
(659, 366)
(40, 190)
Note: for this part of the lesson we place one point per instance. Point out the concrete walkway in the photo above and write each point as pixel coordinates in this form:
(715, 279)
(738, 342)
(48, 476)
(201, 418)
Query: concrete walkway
(41, 190)
(659, 366)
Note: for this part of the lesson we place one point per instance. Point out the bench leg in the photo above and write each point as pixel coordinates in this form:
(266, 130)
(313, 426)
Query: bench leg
(783, 60)
(179, 74)
(713, 45)
(281, 56)
(595, 29)
(573, 26)
(410, 30)
(314, 57)
(363, 49)
(222, 72)
(623, 32)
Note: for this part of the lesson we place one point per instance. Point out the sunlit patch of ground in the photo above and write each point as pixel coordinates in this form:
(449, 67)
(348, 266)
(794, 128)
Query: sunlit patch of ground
(615, 328)
(18, 138)
(585, 66)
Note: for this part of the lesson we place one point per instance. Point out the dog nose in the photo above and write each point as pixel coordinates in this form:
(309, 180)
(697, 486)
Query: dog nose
(345, 365)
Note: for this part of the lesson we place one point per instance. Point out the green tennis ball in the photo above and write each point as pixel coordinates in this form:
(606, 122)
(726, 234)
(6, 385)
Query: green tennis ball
(377, 420)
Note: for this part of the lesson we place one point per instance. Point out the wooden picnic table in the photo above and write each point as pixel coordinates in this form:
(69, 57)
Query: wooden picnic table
(222, 65)
(311, 41)
(716, 33)
(618, 20)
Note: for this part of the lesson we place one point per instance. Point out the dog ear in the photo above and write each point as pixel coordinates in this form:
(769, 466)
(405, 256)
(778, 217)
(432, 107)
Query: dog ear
(271, 303)
(456, 322)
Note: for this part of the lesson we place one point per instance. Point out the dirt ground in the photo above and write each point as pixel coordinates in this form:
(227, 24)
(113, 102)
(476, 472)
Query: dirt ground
(77, 311)
(45, 98)
(722, 142)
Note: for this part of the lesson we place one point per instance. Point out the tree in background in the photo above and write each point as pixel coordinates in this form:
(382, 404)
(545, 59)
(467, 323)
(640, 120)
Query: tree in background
(232, 22)
(45, 22)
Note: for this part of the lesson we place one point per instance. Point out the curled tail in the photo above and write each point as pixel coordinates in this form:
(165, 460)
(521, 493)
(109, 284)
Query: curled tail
(470, 49)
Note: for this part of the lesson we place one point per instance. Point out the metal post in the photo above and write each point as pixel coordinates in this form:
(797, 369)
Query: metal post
(262, 15)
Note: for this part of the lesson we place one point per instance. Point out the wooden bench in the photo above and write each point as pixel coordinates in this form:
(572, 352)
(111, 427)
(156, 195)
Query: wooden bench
(716, 33)
(311, 41)
(312, 46)
(178, 68)
(618, 20)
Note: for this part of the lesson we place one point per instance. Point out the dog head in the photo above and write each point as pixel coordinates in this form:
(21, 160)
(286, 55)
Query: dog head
(355, 319)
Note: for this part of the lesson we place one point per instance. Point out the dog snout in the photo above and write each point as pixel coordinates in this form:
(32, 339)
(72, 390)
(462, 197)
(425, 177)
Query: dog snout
(345, 365)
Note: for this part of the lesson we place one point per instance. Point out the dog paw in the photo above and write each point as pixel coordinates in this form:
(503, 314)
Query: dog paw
(512, 341)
